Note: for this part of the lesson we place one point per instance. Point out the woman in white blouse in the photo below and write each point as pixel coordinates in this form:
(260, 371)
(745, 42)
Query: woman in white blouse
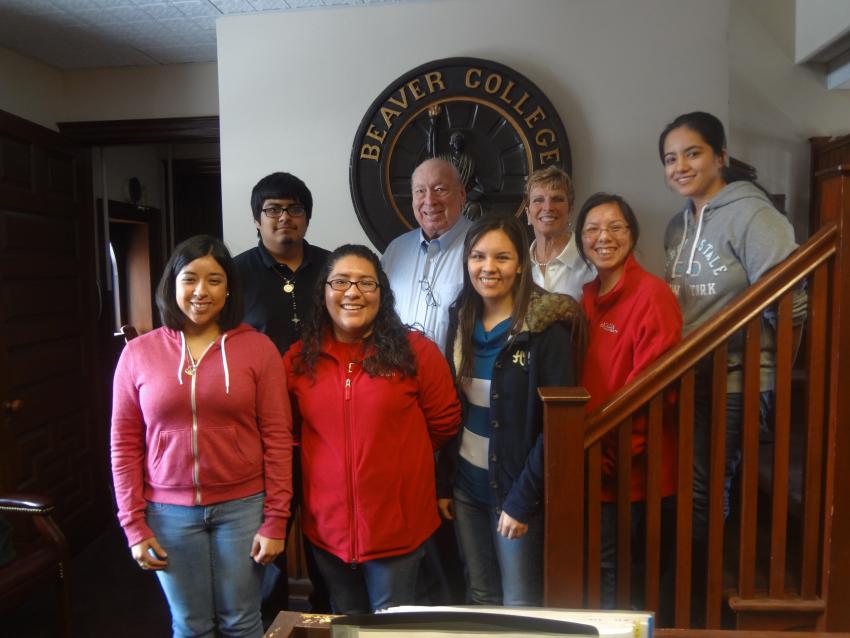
(557, 266)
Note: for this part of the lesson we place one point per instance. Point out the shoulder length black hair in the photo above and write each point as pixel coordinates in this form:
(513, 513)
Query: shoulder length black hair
(469, 305)
(386, 349)
(185, 253)
(598, 199)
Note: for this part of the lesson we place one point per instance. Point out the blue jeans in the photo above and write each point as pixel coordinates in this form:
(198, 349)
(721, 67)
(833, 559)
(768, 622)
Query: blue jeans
(499, 571)
(371, 585)
(212, 584)
(702, 448)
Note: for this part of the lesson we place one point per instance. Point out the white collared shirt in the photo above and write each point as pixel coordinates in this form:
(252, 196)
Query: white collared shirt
(567, 273)
(410, 260)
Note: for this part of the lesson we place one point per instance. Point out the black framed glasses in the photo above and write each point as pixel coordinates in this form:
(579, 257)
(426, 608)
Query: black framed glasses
(276, 212)
(364, 285)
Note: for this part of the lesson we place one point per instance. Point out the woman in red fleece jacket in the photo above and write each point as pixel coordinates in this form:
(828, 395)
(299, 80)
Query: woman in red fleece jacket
(375, 400)
(202, 447)
(632, 319)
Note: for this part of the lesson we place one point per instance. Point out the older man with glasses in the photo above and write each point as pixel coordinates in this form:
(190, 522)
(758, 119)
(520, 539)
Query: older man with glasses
(425, 265)
(278, 277)
(425, 268)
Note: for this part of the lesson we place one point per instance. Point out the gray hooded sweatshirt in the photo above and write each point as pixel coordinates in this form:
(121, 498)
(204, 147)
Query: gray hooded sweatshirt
(716, 254)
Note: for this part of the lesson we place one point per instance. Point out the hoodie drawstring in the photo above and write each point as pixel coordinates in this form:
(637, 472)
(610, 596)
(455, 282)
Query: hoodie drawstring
(183, 350)
(182, 358)
(224, 365)
(685, 238)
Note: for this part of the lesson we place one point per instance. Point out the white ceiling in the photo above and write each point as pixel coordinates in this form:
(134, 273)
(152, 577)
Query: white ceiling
(74, 34)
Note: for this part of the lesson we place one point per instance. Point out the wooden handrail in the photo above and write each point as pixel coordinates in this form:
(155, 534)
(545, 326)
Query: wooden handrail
(674, 363)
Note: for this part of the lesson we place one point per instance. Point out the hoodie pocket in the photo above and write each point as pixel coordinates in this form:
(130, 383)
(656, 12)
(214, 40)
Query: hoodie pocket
(225, 458)
(171, 459)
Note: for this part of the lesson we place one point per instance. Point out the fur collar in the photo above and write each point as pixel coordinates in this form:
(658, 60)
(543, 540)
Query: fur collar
(544, 309)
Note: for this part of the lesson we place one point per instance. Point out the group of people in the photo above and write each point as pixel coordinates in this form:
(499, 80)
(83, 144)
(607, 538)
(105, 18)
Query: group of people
(383, 395)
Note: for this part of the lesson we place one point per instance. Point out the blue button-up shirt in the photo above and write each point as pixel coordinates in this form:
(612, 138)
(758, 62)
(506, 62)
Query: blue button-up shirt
(426, 277)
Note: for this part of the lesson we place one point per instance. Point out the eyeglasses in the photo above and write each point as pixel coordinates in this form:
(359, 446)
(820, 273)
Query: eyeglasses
(615, 230)
(430, 296)
(364, 285)
(276, 212)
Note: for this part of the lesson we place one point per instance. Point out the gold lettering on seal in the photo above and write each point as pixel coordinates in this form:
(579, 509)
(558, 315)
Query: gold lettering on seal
(413, 85)
(494, 85)
(370, 151)
(376, 134)
(389, 113)
(554, 155)
(470, 83)
(534, 116)
(435, 78)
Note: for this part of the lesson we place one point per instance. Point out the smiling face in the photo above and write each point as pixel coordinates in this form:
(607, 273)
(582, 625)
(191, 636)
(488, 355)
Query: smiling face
(493, 266)
(548, 211)
(352, 311)
(691, 166)
(281, 232)
(607, 241)
(438, 197)
(201, 290)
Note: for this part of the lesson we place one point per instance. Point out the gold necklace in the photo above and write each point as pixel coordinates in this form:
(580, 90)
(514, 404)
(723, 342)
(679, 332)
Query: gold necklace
(193, 365)
(288, 288)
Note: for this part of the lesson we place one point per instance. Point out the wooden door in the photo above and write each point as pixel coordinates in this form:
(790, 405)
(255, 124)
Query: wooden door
(55, 430)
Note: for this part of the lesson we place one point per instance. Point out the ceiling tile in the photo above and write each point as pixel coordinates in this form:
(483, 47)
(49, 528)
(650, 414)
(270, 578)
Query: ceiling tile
(233, 6)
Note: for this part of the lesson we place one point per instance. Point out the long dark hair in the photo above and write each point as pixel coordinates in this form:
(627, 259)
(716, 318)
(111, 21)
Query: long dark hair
(710, 129)
(469, 304)
(185, 253)
(385, 350)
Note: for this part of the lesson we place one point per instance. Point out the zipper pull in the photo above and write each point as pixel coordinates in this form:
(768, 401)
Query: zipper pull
(347, 389)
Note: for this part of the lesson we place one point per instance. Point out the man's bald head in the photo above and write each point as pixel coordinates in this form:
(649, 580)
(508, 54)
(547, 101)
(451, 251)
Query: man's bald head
(438, 196)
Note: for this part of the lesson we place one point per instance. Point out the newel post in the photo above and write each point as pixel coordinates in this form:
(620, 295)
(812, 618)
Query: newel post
(563, 460)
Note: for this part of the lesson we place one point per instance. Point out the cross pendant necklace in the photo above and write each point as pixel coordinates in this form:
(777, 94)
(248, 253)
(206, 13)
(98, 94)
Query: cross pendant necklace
(288, 288)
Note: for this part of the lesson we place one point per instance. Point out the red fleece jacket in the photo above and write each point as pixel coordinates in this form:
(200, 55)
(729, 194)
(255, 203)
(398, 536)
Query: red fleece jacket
(243, 440)
(367, 450)
(630, 327)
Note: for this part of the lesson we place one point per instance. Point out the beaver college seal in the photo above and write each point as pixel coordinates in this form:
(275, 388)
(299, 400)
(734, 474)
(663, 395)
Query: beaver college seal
(491, 122)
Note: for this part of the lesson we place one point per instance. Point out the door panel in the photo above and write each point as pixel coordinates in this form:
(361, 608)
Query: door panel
(57, 442)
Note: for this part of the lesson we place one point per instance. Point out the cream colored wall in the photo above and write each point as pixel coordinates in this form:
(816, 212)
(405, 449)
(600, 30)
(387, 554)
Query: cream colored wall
(29, 89)
(775, 105)
(294, 86)
(178, 90)
(45, 95)
(819, 23)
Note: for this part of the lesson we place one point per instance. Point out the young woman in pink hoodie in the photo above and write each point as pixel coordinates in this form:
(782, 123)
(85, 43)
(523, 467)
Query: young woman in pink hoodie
(202, 447)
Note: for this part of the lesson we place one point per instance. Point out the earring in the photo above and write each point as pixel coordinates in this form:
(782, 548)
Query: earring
(227, 294)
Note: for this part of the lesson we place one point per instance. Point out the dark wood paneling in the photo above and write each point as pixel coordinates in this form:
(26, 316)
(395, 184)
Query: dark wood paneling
(56, 443)
(159, 131)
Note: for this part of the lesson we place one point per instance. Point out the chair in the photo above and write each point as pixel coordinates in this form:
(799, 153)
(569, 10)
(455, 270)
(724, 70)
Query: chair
(46, 560)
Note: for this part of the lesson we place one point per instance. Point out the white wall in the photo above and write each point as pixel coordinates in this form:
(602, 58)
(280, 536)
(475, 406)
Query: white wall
(29, 89)
(775, 105)
(819, 24)
(294, 86)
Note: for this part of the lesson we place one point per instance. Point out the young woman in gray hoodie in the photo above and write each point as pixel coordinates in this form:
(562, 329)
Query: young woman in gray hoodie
(728, 235)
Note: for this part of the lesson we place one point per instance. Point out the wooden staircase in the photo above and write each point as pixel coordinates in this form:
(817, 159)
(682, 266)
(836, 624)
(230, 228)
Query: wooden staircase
(789, 564)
